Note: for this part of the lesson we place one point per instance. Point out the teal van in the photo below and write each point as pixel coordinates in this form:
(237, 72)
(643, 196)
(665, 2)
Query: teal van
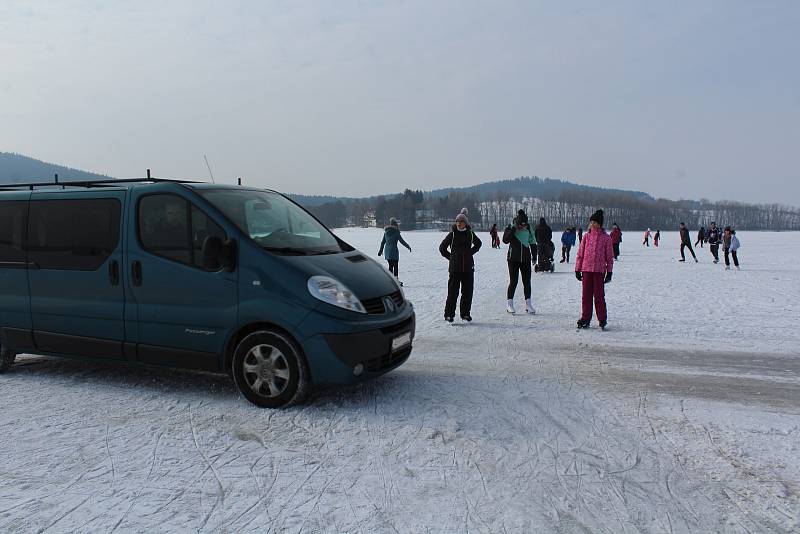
(194, 275)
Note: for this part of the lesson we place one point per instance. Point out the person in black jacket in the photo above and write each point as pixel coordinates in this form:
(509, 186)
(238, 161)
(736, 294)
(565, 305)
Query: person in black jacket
(520, 241)
(544, 244)
(701, 237)
(458, 247)
(686, 242)
(714, 237)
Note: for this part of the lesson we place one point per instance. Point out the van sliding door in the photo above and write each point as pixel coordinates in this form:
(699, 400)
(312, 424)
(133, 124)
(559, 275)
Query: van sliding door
(74, 267)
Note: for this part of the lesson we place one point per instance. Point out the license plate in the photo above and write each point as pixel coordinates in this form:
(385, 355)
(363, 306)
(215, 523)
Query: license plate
(401, 341)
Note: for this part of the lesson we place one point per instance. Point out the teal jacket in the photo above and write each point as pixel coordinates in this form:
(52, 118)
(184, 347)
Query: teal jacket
(391, 235)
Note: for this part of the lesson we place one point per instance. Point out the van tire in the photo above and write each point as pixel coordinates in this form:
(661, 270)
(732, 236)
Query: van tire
(270, 370)
(7, 358)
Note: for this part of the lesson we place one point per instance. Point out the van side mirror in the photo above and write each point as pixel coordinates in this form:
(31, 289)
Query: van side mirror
(217, 254)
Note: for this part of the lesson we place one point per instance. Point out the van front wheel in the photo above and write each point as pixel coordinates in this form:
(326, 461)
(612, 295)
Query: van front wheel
(270, 370)
(6, 358)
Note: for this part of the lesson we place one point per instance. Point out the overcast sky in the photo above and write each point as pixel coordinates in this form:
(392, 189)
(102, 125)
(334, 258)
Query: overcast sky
(682, 99)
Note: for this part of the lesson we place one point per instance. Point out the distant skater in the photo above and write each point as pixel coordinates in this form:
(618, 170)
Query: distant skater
(714, 237)
(389, 248)
(494, 236)
(458, 247)
(567, 242)
(646, 241)
(730, 244)
(701, 236)
(593, 267)
(521, 241)
(580, 233)
(657, 237)
(616, 239)
(686, 242)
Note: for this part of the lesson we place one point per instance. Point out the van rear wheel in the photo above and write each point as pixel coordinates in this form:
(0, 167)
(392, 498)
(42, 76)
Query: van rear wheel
(7, 357)
(270, 370)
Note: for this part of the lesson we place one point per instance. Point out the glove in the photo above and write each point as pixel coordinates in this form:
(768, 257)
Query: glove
(579, 275)
(608, 277)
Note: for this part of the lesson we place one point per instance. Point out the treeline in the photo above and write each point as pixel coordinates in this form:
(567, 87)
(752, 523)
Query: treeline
(572, 206)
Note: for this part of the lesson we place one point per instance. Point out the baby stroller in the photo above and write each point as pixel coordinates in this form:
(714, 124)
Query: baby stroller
(544, 258)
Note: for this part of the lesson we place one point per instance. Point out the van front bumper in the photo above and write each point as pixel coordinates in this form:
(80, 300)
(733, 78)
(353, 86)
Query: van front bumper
(355, 356)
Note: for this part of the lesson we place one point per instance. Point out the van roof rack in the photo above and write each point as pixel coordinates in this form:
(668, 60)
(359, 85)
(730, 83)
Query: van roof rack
(111, 182)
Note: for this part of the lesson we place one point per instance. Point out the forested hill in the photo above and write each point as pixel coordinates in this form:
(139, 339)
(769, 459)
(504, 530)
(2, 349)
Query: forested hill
(526, 186)
(16, 168)
(522, 187)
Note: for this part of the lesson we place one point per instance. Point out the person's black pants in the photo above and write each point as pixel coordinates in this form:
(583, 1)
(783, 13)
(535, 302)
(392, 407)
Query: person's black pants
(727, 259)
(715, 251)
(689, 246)
(616, 250)
(393, 266)
(646, 242)
(565, 253)
(466, 282)
(514, 268)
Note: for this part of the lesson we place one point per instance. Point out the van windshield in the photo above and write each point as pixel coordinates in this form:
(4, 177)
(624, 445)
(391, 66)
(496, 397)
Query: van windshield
(274, 222)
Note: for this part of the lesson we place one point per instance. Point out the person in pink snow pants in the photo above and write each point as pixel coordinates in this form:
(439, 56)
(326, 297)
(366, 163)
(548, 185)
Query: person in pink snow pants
(593, 268)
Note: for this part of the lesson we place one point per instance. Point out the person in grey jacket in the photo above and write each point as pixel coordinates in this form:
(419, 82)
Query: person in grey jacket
(391, 236)
(730, 244)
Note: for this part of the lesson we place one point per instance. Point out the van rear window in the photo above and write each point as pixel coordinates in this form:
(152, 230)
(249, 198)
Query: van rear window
(73, 234)
(12, 230)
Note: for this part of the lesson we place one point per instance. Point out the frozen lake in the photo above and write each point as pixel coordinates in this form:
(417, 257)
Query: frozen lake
(683, 416)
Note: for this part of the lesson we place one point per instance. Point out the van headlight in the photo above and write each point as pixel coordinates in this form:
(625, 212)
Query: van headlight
(332, 291)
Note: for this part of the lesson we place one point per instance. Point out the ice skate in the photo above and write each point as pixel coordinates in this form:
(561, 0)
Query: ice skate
(466, 318)
(583, 324)
(603, 325)
(510, 307)
(448, 319)
(529, 309)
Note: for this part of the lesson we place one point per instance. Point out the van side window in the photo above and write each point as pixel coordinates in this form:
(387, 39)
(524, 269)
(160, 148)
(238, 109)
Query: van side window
(12, 230)
(171, 227)
(73, 234)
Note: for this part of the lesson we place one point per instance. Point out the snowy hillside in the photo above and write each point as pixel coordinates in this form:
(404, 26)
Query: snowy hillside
(683, 416)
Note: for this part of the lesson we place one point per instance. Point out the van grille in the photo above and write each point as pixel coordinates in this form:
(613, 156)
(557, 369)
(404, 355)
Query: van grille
(387, 361)
(375, 306)
(399, 327)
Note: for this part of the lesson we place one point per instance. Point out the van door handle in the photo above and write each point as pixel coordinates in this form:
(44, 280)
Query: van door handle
(113, 272)
(136, 271)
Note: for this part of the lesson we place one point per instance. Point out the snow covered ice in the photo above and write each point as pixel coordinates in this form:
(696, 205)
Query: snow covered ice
(683, 416)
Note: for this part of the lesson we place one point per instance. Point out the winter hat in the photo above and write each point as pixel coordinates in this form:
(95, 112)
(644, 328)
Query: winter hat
(727, 228)
(542, 221)
(597, 216)
(392, 221)
(463, 216)
(522, 217)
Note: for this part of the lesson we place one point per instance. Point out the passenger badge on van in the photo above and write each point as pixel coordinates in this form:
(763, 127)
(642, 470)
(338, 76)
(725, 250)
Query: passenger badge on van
(202, 332)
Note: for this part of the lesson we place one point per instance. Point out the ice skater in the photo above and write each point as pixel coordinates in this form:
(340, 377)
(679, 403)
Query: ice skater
(616, 239)
(714, 236)
(686, 242)
(701, 236)
(593, 267)
(657, 238)
(458, 247)
(493, 234)
(730, 244)
(521, 241)
(389, 249)
(646, 237)
(567, 242)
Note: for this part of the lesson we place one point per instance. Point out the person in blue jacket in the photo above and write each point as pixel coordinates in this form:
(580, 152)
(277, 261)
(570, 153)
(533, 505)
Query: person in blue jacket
(391, 236)
(567, 242)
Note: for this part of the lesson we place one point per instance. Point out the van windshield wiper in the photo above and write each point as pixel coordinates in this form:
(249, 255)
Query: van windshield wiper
(289, 251)
(324, 252)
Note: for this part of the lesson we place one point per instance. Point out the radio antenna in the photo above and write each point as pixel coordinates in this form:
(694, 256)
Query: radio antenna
(209, 169)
